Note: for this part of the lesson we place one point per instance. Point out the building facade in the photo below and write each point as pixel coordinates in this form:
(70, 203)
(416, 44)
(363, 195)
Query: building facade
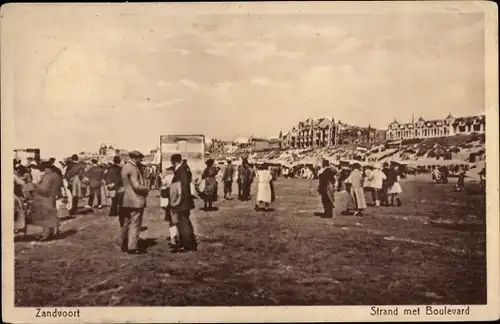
(436, 128)
(325, 132)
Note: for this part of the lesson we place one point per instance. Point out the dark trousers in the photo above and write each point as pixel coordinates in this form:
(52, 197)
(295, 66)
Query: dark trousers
(384, 195)
(240, 190)
(95, 192)
(187, 238)
(132, 222)
(327, 206)
(116, 202)
(74, 205)
(228, 188)
(244, 191)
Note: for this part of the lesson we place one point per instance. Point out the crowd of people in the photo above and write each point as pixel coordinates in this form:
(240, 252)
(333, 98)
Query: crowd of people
(41, 188)
(381, 181)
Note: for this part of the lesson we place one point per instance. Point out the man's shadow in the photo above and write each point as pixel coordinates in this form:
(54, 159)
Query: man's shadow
(209, 209)
(33, 237)
(144, 244)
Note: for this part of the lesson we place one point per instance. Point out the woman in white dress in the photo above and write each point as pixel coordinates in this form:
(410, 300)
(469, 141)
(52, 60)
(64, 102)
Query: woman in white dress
(395, 189)
(265, 192)
(377, 178)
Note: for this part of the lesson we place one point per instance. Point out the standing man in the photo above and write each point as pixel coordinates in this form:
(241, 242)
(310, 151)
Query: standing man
(245, 178)
(133, 204)
(326, 188)
(385, 185)
(180, 203)
(75, 172)
(227, 178)
(96, 176)
(115, 187)
(147, 175)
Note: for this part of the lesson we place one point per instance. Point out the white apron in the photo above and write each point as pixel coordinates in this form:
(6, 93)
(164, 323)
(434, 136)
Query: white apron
(263, 186)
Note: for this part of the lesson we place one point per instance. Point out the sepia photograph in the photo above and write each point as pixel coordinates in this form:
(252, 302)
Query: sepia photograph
(183, 155)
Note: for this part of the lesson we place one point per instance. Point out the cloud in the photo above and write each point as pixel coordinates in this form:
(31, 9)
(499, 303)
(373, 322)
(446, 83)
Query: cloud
(163, 84)
(347, 46)
(181, 51)
(290, 54)
(168, 103)
(190, 84)
(260, 81)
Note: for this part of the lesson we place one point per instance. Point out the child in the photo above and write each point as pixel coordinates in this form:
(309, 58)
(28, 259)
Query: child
(461, 180)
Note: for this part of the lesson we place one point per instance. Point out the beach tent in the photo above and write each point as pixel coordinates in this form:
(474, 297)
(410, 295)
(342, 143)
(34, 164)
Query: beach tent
(428, 162)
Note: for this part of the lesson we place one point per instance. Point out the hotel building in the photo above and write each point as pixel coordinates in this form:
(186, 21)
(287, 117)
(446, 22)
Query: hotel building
(436, 128)
(324, 132)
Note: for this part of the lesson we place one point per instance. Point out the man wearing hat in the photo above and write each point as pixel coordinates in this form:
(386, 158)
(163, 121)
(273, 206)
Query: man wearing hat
(245, 179)
(75, 171)
(385, 185)
(135, 192)
(115, 187)
(180, 204)
(227, 178)
(326, 188)
(96, 176)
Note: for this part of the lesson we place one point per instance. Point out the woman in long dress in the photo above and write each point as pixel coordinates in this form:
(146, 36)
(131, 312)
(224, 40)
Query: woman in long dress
(356, 191)
(20, 221)
(209, 194)
(265, 187)
(44, 212)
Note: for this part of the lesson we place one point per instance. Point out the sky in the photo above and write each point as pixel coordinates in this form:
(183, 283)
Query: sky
(86, 77)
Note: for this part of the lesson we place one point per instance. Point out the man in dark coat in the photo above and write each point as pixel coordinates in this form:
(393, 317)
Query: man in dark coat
(96, 177)
(227, 179)
(181, 203)
(245, 179)
(54, 168)
(386, 184)
(75, 172)
(188, 170)
(133, 204)
(115, 187)
(326, 188)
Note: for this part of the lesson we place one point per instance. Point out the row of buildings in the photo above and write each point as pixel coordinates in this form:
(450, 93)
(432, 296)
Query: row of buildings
(327, 132)
(448, 126)
(323, 132)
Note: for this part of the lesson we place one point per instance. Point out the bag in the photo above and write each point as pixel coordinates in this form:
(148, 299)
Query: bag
(164, 193)
(200, 185)
(112, 193)
(164, 202)
(175, 194)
